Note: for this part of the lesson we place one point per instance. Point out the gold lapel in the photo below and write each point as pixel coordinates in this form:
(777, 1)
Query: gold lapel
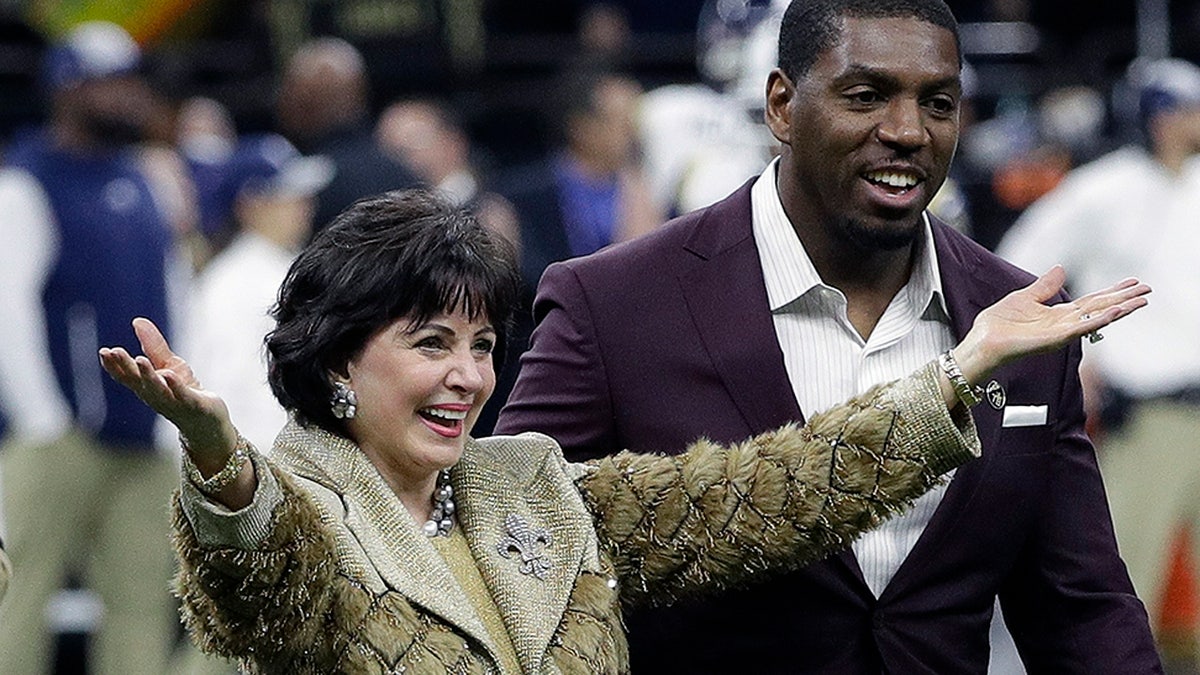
(404, 557)
(504, 480)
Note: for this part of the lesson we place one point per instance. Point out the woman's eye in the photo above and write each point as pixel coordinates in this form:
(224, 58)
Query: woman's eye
(484, 346)
(429, 343)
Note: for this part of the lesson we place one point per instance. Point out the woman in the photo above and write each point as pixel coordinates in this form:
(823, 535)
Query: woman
(380, 537)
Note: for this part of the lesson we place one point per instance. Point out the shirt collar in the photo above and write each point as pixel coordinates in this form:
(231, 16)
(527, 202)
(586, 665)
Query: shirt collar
(788, 272)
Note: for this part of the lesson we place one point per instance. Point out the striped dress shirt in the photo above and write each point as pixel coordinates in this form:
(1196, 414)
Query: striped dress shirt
(827, 360)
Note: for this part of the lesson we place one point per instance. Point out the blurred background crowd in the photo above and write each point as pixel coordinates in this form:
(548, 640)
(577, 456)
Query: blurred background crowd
(177, 153)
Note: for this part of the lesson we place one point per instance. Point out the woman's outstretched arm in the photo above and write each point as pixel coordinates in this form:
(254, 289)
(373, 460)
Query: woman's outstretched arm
(719, 516)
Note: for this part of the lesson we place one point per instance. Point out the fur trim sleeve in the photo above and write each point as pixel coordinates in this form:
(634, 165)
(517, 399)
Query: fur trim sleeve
(215, 525)
(266, 606)
(719, 516)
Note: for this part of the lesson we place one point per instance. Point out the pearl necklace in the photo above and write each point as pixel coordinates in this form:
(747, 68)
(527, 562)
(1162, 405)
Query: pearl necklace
(441, 517)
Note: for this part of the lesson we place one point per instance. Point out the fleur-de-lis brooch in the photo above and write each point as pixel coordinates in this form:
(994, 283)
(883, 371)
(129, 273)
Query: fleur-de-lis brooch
(529, 542)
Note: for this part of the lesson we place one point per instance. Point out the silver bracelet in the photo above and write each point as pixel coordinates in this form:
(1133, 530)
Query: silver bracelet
(966, 393)
(221, 479)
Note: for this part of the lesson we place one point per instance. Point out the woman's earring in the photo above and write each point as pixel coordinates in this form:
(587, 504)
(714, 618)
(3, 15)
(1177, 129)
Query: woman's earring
(344, 403)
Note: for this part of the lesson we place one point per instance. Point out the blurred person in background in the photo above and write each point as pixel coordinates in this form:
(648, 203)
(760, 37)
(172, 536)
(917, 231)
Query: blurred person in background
(703, 140)
(1134, 211)
(324, 109)
(428, 137)
(591, 191)
(273, 189)
(86, 242)
(206, 137)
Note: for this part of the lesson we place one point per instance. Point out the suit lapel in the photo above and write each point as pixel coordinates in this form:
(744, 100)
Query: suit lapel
(727, 299)
(968, 291)
(508, 503)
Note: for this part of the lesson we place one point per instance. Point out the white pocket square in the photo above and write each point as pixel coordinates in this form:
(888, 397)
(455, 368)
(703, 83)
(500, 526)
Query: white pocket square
(1024, 416)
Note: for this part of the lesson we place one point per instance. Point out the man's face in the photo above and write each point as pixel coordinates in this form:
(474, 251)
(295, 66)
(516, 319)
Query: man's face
(115, 111)
(606, 135)
(869, 131)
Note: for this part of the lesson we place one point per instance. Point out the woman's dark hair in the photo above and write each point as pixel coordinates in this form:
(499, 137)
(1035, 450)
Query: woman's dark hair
(400, 254)
(810, 27)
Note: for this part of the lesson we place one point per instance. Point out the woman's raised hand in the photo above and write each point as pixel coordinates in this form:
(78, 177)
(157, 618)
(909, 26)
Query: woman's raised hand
(165, 382)
(1021, 324)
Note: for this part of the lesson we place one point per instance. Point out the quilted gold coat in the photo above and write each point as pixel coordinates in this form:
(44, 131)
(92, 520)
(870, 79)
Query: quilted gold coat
(325, 571)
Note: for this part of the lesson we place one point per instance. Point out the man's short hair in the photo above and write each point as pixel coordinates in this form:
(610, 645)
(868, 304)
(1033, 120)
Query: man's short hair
(810, 27)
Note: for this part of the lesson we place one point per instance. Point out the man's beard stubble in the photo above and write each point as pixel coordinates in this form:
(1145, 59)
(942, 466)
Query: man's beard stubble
(867, 238)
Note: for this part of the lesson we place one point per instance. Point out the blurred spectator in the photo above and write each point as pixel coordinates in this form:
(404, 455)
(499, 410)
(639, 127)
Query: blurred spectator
(703, 140)
(1133, 213)
(406, 44)
(206, 137)
(604, 31)
(274, 188)
(427, 136)
(591, 192)
(323, 109)
(86, 249)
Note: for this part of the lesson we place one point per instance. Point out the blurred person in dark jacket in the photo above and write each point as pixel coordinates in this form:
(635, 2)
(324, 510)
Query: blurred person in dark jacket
(591, 190)
(323, 108)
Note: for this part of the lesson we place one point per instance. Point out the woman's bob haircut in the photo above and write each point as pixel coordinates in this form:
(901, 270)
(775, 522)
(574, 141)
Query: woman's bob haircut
(404, 254)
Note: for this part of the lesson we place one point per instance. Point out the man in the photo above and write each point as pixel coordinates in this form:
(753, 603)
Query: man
(86, 246)
(323, 108)
(815, 281)
(589, 192)
(428, 137)
(1133, 212)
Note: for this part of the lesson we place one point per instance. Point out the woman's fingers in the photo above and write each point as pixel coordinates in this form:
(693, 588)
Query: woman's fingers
(118, 364)
(1049, 284)
(1115, 302)
(1117, 293)
(154, 345)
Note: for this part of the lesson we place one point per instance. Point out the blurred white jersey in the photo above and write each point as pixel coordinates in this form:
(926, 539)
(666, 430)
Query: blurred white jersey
(699, 145)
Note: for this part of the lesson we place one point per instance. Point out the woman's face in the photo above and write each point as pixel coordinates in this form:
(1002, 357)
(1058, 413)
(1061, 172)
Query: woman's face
(420, 388)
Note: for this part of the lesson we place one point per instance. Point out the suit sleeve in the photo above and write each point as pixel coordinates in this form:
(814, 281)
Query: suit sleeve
(717, 516)
(1069, 603)
(562, 390)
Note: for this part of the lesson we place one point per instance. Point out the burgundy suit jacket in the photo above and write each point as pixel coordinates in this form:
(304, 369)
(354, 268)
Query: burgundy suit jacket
(653, 343)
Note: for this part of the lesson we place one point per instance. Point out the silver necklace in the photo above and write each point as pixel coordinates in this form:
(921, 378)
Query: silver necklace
(441, 517)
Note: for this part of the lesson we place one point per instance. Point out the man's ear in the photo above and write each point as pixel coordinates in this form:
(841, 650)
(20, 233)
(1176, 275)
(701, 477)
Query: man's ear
(780, 92)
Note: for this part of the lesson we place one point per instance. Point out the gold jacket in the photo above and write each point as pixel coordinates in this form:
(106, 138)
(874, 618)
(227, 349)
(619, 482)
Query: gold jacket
(325, 571)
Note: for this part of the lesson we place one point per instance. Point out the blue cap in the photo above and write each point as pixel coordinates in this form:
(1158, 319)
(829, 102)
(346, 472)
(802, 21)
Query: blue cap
(267, 164)
(92, 50)
(1164, 85)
